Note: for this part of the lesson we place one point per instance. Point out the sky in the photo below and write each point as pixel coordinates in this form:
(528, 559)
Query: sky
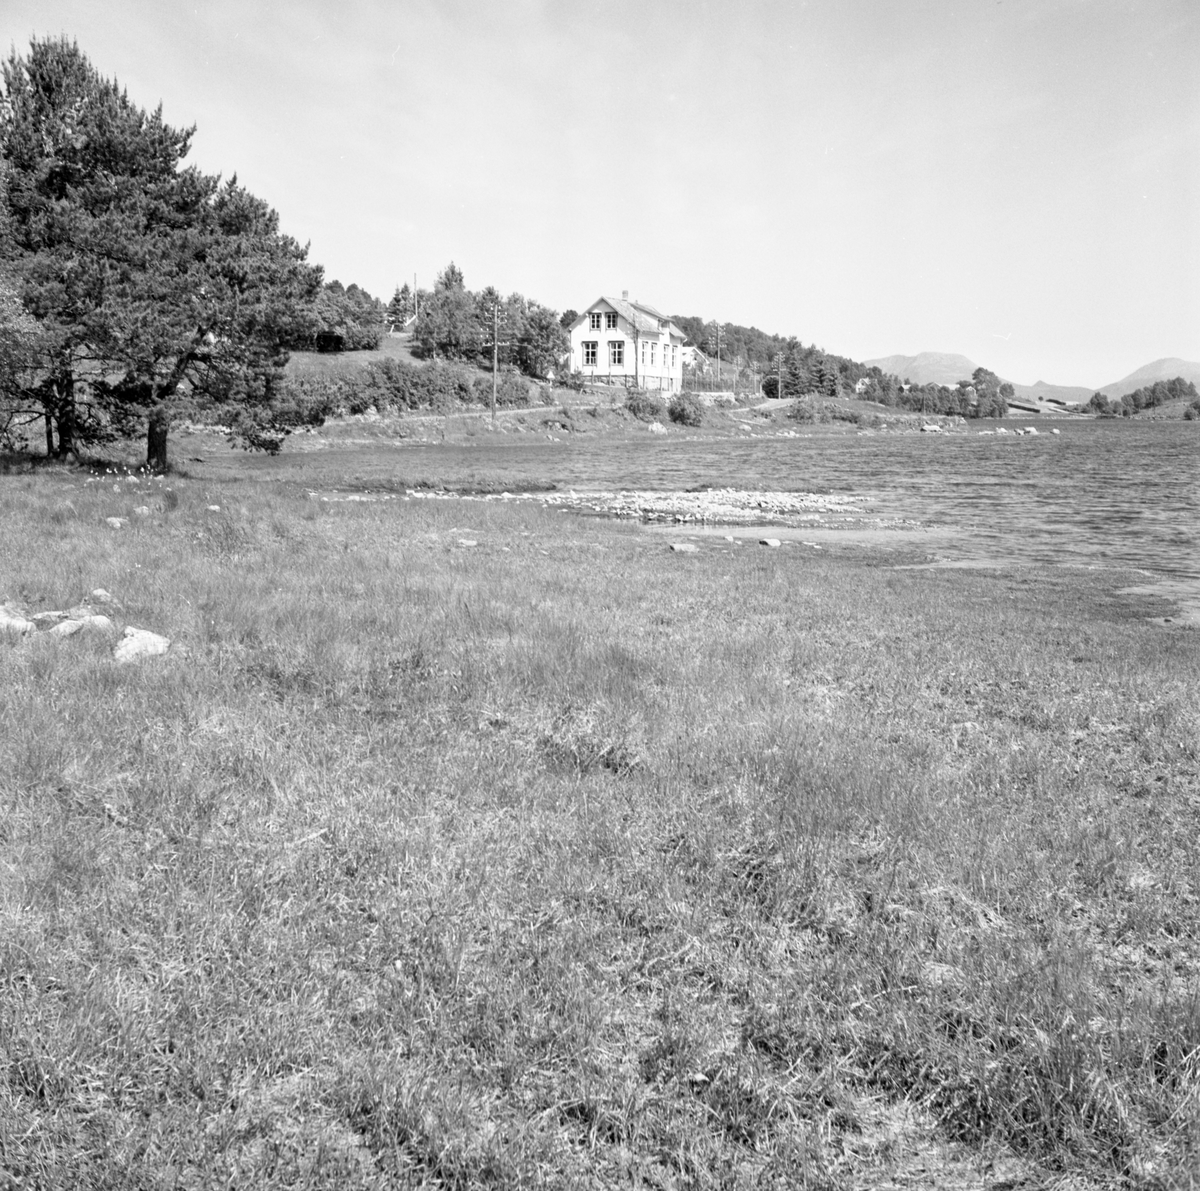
(1017, 181)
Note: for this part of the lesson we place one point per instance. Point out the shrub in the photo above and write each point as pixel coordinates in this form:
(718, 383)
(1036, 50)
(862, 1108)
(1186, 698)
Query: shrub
(686, 410)
(644, 407)
(512, 389)
(1193, 411)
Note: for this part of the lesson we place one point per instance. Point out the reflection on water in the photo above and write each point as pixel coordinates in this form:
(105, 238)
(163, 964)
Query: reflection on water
(1100, 492)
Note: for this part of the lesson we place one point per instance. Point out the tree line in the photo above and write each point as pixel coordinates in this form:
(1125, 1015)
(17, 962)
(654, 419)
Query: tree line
(1147, 397)
(484, 327)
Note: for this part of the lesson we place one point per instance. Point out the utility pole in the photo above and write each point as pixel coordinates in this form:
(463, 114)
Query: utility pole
(718, 329)
(779, 374)
(496, 346)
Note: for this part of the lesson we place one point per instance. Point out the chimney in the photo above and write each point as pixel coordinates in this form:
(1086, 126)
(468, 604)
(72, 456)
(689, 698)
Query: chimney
(625, 295)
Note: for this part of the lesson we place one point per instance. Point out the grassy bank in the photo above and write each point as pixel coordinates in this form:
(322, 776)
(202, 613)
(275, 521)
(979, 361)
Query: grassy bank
(560, 859)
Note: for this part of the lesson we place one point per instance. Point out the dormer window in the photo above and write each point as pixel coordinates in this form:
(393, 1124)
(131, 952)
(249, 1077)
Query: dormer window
(594, 320)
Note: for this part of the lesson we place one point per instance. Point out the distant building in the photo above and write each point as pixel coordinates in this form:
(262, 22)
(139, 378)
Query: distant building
(616, 341)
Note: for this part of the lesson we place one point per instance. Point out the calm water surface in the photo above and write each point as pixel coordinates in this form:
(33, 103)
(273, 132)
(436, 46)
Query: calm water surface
(1097, 493)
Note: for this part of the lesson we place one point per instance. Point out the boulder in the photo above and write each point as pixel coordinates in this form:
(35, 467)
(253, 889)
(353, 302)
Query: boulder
(774, 543)
(100, 596)
(656, 428)
(116, 522)
(685, 548)
(13, 623)
(142, 510)
(92, 623)
(138, 644)
(47, 620)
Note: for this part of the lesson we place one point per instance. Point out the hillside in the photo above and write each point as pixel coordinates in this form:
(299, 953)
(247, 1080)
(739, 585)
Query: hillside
(939, 368)
(1165, 369)
(1041, 391)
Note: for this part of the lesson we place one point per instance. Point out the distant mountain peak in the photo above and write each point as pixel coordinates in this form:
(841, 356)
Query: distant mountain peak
(927, 368)
(1167, 368)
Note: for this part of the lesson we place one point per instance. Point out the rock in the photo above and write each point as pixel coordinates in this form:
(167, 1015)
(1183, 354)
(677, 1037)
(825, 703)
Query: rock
(656, 428)
(213, 508)
(103, 597)
(1030, 429)
(116, 522)
(685, 548)
(930, 428)
(142, 511)
(94, 623)
(138, 644)
(47, 620)
(467, 542)
(1055, 430)
(774, 543)
(14, 623)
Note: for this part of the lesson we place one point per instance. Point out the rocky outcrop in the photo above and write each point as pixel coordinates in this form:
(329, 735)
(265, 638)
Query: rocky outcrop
(84, 619)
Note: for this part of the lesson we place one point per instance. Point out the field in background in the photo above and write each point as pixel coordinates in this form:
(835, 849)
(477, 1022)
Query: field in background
(473, 845)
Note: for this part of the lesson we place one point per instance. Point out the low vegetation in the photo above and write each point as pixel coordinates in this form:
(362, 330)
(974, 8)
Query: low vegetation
(468, 844)
(645, 406)
(686, 409)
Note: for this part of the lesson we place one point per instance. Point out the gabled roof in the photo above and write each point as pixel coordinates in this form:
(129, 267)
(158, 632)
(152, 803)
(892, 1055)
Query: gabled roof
(638, 314)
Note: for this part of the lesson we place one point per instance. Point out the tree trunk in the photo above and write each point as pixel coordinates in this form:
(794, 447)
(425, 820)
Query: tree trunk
(157, 429)
(66, 430)
(49, 436)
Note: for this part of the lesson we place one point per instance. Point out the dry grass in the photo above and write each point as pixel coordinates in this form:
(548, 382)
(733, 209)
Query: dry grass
(563, 860)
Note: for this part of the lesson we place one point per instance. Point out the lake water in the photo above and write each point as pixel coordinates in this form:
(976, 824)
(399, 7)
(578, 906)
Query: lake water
(1098, 493)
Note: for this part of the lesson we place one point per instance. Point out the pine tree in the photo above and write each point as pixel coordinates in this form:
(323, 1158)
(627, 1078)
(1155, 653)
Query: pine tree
(149, 280)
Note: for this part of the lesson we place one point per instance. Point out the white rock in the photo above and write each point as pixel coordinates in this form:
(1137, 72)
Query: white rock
(467, 542)
(1055, 430)
(103, 597)
(95, 623)
(213, 508)
(930, 428)
(656, 428)
(774, 543)
(116, 522)
(138, 644)
(14, 623)
(142, 510)
(1030, 429)
(685, 548)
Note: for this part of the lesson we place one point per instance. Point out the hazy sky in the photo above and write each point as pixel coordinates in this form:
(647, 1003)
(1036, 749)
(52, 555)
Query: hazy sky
(1018, 181)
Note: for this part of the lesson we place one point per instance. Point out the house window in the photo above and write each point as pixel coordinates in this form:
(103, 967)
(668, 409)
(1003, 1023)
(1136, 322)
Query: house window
(653, 354)
(610, 320)
(589, 353)
(616, 353)
(674, 357)
(643, 353)
(594, 320)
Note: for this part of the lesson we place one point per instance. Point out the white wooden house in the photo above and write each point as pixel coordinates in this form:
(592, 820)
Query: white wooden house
(616, 341)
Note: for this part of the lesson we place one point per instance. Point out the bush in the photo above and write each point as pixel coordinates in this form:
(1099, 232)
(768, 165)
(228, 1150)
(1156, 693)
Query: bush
(394, 384)
(644, 407)
(1192, 412)
(512, 389)
(686, 410)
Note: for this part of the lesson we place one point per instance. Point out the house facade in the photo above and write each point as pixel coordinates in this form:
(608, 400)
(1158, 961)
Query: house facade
(616, 341)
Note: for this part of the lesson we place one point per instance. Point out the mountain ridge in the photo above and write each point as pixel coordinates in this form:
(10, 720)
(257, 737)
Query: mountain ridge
(948, 368)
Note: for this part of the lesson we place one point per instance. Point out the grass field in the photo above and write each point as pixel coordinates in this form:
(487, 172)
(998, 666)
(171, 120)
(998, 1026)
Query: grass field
(562, 860)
